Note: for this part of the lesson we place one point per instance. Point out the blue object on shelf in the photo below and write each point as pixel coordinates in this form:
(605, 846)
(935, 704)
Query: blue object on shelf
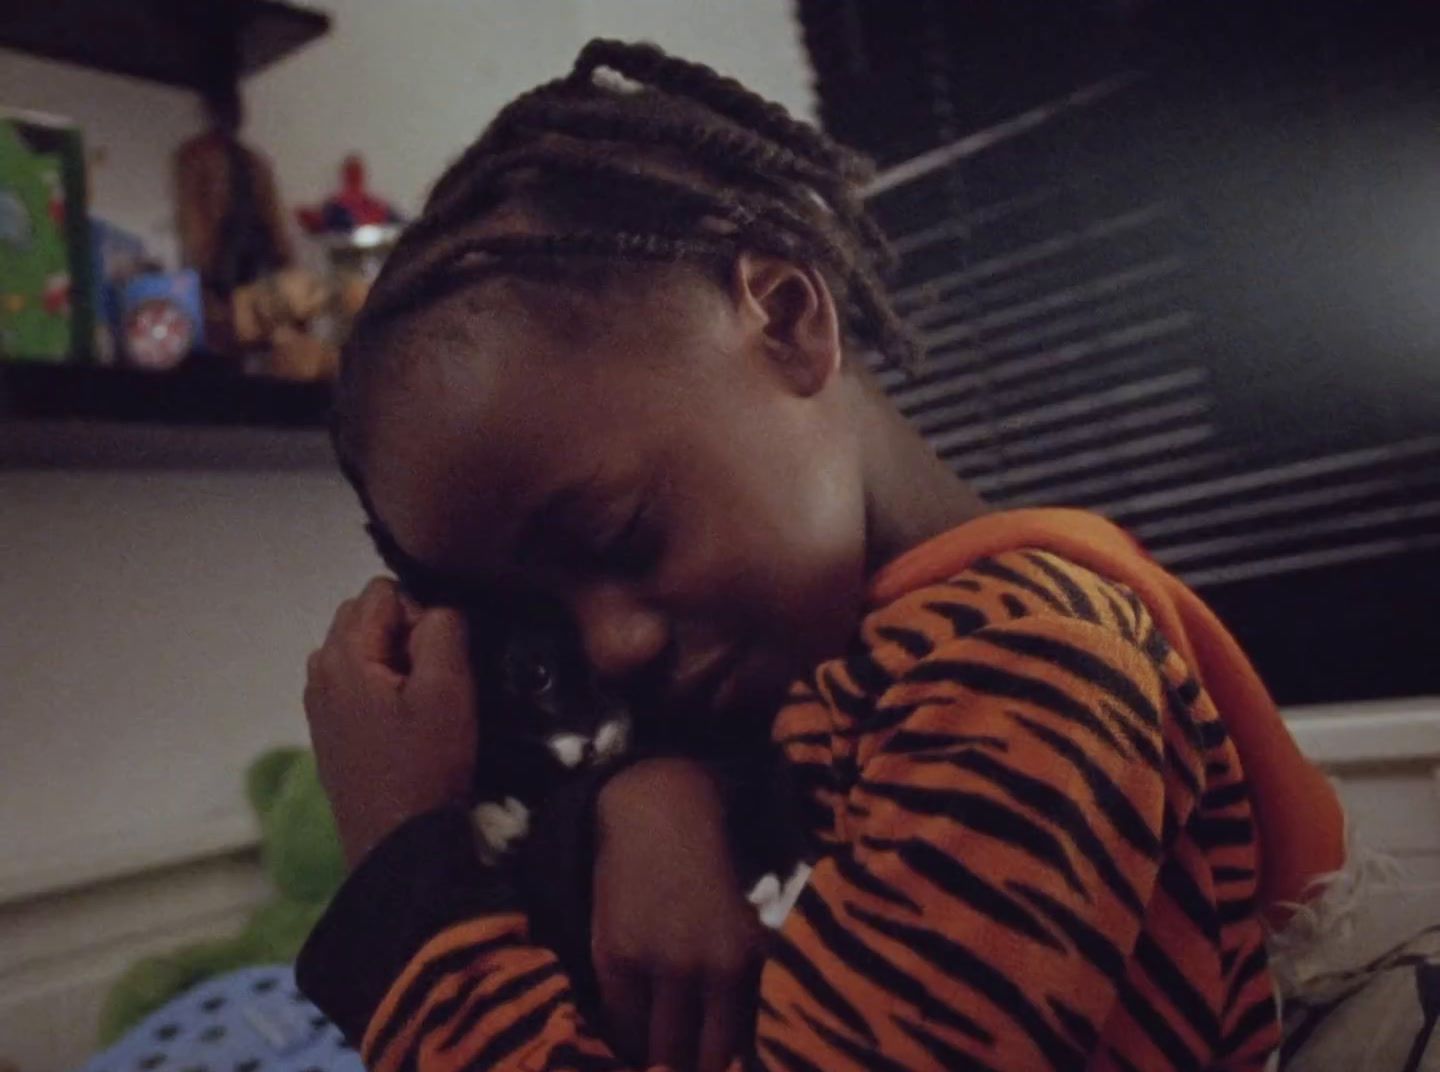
(252, 1020)
(160, 318)
(116, 255)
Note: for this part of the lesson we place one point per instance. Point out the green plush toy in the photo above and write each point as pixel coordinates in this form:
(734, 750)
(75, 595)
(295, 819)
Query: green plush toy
(301, 852)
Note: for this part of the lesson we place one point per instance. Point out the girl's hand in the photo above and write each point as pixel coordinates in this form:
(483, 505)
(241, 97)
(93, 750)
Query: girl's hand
(676, 947)
(391, 706)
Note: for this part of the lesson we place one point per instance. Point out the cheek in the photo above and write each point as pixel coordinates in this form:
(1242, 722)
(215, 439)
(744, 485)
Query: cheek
(776, 549)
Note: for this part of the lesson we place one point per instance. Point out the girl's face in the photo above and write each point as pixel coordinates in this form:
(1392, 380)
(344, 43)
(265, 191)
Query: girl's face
(675, 464)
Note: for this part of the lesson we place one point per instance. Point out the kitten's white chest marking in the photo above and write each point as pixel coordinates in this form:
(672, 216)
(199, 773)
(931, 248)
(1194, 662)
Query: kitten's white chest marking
(569, 749)
(572, 750)
(500, 825)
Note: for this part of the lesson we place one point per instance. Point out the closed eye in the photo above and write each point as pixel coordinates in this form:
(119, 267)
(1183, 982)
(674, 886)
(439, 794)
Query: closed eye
(634, 549)
(587, 527)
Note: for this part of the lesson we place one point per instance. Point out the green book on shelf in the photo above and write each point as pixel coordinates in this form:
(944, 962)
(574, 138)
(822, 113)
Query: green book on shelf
(47, 292)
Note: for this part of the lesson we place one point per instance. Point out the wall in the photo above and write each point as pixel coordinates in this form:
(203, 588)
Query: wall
(410, 91)
(132, 129)
(407, 88)
(756, 41)
(59, 954)
(154, 639)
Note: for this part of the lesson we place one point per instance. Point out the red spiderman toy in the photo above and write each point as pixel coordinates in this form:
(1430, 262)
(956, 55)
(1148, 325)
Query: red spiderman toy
(351, 206)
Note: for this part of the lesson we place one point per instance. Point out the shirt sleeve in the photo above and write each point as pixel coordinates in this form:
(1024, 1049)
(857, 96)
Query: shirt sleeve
(427, 876)
(999, 847)
(1000, 843)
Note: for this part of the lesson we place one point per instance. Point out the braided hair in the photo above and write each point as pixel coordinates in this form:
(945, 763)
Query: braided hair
(634, 157)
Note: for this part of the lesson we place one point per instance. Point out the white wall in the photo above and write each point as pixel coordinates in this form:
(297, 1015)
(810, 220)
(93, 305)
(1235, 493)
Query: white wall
(756, 41)
(132, 129)
(407, 84)
(153, 640)
(410, 84)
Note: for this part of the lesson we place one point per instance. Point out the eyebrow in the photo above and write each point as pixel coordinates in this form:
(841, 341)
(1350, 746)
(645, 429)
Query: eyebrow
(562, 514)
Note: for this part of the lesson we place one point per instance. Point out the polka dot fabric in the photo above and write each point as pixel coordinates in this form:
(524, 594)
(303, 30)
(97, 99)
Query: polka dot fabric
(254, 1020)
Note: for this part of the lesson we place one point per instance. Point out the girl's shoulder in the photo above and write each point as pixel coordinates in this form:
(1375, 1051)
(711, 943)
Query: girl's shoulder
(1019, 590)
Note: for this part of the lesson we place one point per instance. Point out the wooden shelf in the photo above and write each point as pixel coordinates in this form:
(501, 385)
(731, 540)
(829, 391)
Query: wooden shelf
(76, 417)
(177, 42)
(198, 394)
(95, 445)
(85, 417)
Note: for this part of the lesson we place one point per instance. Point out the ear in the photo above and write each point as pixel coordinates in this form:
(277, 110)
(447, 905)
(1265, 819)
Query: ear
(794, 318)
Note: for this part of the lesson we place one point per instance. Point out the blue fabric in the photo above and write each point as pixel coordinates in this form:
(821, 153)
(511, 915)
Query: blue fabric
(252, 1020)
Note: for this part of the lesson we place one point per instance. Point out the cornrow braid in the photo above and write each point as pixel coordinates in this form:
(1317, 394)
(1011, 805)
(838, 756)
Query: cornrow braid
(620, 178)
(738, 153)
(649, 65)
(668, 203)
(760, 222)
(492, 139)
(475, 258)
(632, 157)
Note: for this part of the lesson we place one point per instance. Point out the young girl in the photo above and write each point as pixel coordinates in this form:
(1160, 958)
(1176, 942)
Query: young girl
(619, 362)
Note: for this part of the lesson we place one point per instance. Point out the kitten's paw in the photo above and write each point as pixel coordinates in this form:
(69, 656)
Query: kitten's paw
(773, 899)
(501, 825)
(613, 739)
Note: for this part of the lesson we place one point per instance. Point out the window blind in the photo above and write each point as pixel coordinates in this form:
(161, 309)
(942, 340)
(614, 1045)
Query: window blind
(1162, 272)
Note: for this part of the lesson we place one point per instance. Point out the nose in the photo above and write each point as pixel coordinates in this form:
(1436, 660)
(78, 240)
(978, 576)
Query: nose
(622, 634)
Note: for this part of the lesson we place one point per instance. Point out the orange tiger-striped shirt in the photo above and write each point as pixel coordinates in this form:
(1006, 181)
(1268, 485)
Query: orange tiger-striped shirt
(1040, 836)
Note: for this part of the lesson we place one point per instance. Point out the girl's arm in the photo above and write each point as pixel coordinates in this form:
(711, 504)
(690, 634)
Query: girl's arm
(983, 908)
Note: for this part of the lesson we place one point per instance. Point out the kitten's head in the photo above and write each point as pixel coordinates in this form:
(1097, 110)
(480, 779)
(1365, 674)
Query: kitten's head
(537, 689)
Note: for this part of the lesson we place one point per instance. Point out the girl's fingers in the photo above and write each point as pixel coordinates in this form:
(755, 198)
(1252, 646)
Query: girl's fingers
(344, 614)
(376, 629)
(674, 1022)
(412, 609)
(625, 994)
(438, 648)
(727, 1024)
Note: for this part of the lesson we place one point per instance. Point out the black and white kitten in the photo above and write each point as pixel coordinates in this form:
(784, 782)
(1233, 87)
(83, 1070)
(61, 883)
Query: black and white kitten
(545, 720)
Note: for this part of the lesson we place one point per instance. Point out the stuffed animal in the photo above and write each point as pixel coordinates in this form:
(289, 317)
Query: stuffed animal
(300, 849)
(275, 313)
